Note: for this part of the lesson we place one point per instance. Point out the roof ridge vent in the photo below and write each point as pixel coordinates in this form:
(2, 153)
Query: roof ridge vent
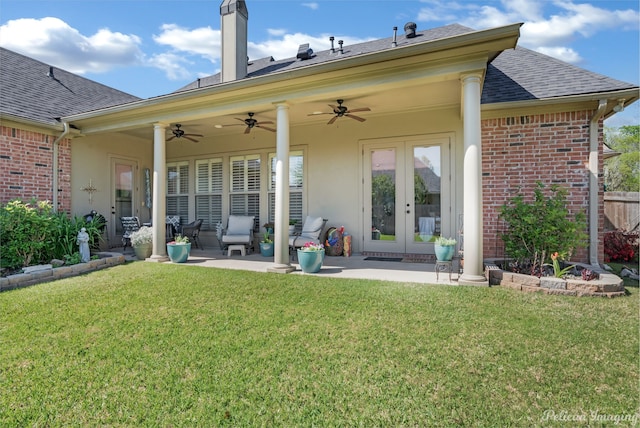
(304, 52)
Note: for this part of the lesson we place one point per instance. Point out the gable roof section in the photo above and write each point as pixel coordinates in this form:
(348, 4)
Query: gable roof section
(27, 91)
(521, 74)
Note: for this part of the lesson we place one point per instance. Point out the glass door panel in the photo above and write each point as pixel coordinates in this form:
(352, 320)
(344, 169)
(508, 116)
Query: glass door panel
(426, 193)
(381, 200)
(123, 194)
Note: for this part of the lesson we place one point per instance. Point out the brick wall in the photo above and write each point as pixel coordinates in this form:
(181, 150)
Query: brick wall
(26, 167)
(519, 151)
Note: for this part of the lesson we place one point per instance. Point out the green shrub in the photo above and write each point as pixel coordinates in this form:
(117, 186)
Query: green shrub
(24, 233)
(536, 229)
(31, 233)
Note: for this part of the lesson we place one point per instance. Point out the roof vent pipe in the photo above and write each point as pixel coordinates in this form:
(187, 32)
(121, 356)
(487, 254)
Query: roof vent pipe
(395, 33)
(50, 73)
(340, 42)
(410, 30)
(331, 39)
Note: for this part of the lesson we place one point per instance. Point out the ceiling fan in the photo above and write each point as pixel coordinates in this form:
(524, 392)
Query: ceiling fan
(179, 133)
(342, 111)
(250, 123)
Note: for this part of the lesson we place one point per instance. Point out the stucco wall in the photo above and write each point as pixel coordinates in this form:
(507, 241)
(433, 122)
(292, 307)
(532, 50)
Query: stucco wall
(26, 166)
(519, 151)
(92, 158)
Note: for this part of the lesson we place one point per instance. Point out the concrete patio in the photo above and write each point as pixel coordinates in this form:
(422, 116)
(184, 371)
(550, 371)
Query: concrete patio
(333, 267)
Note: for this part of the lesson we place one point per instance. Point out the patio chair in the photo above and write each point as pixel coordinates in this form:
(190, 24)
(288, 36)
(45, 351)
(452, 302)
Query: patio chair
(192, 231)
(311, 231)
(239, 231)
(173, 226)
(129, 225)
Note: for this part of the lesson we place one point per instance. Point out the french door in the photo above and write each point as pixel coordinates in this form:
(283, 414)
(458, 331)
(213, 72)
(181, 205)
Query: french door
(406, 194)
(123, 195)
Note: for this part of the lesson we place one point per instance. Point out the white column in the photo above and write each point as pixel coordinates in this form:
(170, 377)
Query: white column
(158, 213)
(281, 223)
(472, 181)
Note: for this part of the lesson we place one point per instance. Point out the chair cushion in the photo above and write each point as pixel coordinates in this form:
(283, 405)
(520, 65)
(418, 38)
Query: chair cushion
(312, 227)
(239, 224)
(240, 239)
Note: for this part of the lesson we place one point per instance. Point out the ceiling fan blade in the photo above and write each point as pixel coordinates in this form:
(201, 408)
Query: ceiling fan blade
(246, 131)
(171, 138)
(264, 123)
(190, 139)
(359, 109)
(193, 135)
(333, 119)
(359, 119)
(264, 127)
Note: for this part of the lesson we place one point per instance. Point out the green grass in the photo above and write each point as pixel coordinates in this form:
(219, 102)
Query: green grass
(147, 344)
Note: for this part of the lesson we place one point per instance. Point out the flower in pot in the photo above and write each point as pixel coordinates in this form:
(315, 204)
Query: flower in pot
(142, 242)
(444, 248)
(266, 245)
(292, 226)
(310, 257)
(179, 249)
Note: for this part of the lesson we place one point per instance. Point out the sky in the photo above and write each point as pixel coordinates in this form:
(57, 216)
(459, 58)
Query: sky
(153, 47)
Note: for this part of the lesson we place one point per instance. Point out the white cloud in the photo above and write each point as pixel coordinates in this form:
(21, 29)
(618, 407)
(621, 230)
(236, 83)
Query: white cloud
(550, 34)
(312, 6)
(203, 41)
(173, 65)
(54, 42)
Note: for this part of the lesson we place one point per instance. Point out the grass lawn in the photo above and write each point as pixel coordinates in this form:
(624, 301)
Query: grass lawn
(172, 345)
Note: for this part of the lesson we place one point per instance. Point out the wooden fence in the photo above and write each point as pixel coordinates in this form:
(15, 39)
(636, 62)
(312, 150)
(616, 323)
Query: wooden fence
(621, 210)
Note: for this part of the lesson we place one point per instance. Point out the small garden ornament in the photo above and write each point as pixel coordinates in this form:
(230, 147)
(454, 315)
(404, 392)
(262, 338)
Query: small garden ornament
(83, 243)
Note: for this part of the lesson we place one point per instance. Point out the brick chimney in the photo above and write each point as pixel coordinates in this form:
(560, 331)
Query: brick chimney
(234, 17)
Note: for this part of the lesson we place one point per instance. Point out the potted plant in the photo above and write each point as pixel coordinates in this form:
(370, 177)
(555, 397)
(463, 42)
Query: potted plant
(142, 242)
(444, 248)
(292, 226)
(179, 249)
(266, 245)
(310, 257)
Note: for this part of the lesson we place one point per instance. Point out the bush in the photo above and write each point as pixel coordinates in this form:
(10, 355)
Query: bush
(620, 245)
(536, 229)
(31, 233)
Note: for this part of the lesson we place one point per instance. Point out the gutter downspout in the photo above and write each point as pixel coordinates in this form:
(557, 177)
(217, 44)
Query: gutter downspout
(56, 150)
(593, 182)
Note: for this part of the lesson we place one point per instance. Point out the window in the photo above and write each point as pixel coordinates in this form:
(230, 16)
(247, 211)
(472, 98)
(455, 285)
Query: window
(178, 189)
(244, 192)
(296, 181)
(209, 192)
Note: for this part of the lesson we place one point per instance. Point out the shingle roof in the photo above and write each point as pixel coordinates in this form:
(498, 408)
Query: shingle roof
(521, 74)
(268, 65)
(514, 75)
(27, 91)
